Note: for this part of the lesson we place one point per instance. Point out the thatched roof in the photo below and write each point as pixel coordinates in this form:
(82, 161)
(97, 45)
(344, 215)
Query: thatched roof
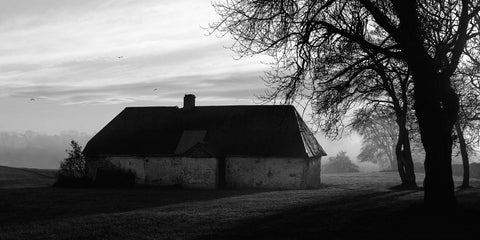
(269, 131)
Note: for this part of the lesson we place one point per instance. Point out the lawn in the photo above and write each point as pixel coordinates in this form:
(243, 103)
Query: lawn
(25, 177)
(348, 206)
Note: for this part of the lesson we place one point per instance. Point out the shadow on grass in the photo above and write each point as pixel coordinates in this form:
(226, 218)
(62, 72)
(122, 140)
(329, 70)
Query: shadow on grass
(377, 215)
(21, 206)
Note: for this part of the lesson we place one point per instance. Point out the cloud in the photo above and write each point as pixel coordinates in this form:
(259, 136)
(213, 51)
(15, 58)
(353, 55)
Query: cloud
(200, 69)
(228, 86)
(73, 52)
(41, 31)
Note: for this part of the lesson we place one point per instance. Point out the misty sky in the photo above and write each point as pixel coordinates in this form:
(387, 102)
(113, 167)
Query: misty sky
(74, 65)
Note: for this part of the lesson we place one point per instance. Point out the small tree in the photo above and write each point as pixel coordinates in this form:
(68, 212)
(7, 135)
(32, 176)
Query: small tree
(340, 164)
(73, 169)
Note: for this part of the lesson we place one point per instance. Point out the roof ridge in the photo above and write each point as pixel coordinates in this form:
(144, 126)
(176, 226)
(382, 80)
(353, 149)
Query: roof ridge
(203, 106)
(152, 107)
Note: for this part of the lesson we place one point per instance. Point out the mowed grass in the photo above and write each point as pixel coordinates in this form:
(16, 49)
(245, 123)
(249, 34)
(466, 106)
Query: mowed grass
(25, 177)
(348, 206)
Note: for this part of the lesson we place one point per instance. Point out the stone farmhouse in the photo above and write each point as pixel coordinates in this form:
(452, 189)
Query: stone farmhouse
(258, 146)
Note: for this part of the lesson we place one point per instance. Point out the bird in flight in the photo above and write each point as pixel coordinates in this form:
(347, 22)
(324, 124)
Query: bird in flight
(155, 89)
(32, 99)
(120, 57)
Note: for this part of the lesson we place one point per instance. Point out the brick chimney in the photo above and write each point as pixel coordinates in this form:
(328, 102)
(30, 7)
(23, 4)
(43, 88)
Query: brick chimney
(189, 101)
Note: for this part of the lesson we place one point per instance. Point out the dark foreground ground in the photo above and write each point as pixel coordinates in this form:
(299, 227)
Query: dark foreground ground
(349, 206)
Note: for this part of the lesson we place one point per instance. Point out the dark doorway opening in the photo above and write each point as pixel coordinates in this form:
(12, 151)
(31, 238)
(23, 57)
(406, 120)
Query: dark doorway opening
(222, 183)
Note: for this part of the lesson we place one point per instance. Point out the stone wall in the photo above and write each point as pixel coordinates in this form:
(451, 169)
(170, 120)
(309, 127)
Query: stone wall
(164, 171)
(187, 172)
(240, 172)
(312, 173)
(283, 173)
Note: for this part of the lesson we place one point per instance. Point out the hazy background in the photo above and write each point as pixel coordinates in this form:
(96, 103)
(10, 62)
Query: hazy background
(67, 67)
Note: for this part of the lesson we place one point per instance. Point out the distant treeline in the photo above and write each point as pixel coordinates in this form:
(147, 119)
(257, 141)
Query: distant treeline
(35, 150)
(457, 169)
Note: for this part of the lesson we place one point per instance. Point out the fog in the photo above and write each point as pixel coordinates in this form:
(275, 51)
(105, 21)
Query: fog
(36, 150)
(349, 143)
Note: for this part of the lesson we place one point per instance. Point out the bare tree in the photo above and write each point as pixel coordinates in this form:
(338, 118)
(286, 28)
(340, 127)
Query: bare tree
(379, 136)
(315, 42)
(396, 82)
(468, 122)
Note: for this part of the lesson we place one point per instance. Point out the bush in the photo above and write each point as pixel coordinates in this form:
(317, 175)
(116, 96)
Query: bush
(339, 164)
(73, 171)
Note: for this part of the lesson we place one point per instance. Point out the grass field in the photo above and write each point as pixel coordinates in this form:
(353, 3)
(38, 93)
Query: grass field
(359, 206)
(25, 177)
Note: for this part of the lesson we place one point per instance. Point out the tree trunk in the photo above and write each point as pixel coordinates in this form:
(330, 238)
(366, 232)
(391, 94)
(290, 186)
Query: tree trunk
(393, 164)
(410, 181)
(404, 155)
(436, 108)
(463, 151)
(399, 155)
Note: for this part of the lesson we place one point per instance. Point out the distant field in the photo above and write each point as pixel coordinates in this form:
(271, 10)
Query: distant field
(349, 206)
(25, 177)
